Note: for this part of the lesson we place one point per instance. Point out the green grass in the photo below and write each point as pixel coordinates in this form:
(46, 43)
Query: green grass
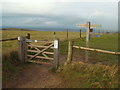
(10, 60)
(11, 64)
(35, 35)
(82, 75)
(105, 42)
(40, 35)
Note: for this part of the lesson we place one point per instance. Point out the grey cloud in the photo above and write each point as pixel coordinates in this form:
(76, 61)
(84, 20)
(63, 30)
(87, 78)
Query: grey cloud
(66, 15)
(39, 20)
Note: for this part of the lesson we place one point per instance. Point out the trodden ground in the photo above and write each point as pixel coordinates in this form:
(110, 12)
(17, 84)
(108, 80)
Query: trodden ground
(35, 76)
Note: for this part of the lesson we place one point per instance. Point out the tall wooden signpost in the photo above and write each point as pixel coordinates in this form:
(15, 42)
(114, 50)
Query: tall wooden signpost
(88, 26)
(80, 33)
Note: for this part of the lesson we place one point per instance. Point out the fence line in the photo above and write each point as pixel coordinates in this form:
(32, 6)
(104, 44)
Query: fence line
(70, 51)
(8, 39)
(24, 46)
(98, 50)
(16, 38)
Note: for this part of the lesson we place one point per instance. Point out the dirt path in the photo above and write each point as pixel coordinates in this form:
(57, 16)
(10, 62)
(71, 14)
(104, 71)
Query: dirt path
(39, 76)
(35, 76)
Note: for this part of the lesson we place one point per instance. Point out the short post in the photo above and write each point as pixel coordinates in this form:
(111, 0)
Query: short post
(70, 52)
(54, 34)
(67, 34)
(28, 37)
(22, 48)
(80, 33)
(56, 53)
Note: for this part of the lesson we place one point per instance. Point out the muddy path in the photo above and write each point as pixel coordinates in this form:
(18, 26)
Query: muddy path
(35, 76)
(39, 76)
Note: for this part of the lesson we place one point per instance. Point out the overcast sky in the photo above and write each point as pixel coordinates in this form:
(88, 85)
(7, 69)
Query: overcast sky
(62, 14)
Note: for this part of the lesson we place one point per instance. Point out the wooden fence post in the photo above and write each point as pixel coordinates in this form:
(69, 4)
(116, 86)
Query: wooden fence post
(70, 52)
(67, 34)
(28, 37)
(22, 48)
(56, 53)
(54, 34)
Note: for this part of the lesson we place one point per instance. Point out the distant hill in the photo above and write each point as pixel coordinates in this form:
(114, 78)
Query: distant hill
(42, 29)
(16, 29)
(50, 29)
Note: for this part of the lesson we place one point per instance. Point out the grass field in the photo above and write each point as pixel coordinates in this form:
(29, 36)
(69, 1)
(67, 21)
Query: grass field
(105, 42)
(10, 48)
(38, 35)
(83, 75)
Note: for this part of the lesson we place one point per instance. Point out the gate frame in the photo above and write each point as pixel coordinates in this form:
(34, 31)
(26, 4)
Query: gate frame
(22, 50)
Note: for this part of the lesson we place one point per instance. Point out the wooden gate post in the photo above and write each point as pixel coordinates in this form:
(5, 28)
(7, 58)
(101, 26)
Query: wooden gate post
(22, 48)
(56, 53)
(70, 52)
